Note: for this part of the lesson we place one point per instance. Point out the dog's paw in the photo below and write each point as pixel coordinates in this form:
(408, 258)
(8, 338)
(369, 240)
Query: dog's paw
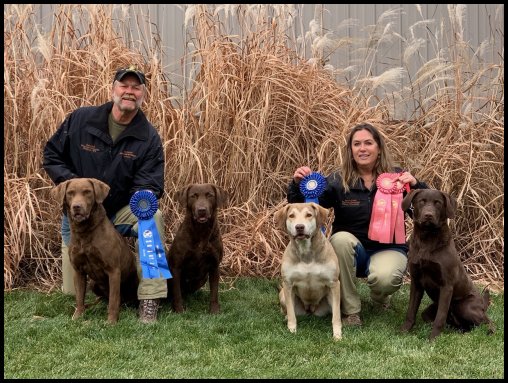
(406, 326)
(178, 309)
(78, 313)
(337, 336)
(434, 334)
(214, 308)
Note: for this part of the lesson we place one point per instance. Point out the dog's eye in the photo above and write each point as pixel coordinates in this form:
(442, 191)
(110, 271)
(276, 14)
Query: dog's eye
(291, 215)
(210, 195)
(193, 196)
(308, 215)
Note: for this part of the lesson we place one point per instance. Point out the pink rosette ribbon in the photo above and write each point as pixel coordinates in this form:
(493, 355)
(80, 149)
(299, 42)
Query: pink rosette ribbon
(387, 219)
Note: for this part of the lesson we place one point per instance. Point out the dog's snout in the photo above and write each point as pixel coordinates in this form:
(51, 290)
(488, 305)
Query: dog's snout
(300, 228)
(77, 207)
(428, 215)
(201, 211)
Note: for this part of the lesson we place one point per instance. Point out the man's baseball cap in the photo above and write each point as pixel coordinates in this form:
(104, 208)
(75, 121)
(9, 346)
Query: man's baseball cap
(121, 73)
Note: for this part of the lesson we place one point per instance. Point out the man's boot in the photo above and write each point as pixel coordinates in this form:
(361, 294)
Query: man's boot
(148, 310)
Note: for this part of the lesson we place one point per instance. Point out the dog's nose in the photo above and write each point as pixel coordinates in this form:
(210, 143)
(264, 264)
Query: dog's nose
(77, 207)
(201, 211)
(428, 216)
(300, 228)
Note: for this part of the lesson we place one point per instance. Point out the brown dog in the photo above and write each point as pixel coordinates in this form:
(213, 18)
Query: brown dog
(197, 251)
(96, 249)
(436, 268)
(309, 266)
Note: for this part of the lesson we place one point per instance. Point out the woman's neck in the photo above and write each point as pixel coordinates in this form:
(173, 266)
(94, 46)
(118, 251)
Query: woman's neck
(366, 172)
(367, 176)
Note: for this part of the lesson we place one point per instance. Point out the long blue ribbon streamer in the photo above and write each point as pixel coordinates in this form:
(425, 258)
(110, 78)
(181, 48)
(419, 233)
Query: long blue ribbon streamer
(152, 257)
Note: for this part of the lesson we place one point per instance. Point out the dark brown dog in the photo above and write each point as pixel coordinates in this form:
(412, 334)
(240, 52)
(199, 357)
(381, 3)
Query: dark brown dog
(436, 268)
(96, 249)
(197, 251)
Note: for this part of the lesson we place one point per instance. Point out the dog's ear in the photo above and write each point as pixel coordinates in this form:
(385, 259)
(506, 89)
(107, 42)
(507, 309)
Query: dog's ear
(222, 196)
(100, 189)
(322, 214)
(279, 218)
(58, 192)
(406, 202)
(181, 196)
(451, 205)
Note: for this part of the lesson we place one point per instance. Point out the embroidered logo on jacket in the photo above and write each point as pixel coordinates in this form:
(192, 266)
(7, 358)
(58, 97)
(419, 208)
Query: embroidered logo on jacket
(350, 202)
(128, 154)
(89, 148)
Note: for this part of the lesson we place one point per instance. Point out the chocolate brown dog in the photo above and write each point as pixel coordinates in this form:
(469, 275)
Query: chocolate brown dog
(197, 251)
(96, 249)
(436, 268)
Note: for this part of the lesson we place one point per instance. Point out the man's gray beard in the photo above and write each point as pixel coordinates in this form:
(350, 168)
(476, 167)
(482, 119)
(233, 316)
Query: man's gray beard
(118, 100)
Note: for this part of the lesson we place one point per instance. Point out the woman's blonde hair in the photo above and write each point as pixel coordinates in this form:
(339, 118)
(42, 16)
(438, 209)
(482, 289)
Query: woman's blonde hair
(384, 162)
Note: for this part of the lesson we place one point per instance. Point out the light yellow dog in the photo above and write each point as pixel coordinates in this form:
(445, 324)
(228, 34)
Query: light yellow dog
(310, 268)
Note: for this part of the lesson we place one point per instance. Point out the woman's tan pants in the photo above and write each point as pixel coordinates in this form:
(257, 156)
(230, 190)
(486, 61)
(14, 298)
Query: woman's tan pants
(384, 275)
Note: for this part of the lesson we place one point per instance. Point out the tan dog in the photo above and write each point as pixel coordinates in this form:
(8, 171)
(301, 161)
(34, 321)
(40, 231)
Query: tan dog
(310, 268)
(96, 249)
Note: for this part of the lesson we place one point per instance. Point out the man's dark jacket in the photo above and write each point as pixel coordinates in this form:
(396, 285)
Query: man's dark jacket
(83, 147)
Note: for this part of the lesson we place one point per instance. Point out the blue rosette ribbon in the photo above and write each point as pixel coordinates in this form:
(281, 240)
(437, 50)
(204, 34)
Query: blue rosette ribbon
(152, 257)
(312, 186)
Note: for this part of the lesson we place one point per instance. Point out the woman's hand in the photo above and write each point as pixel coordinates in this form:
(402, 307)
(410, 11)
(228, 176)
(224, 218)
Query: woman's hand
(301, 173)
(407, 177)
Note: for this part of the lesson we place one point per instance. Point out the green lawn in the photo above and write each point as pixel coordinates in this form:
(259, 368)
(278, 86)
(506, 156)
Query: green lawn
(249, 339)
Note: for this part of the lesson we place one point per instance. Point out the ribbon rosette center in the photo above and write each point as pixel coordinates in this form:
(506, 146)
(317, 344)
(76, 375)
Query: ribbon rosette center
(312, 186)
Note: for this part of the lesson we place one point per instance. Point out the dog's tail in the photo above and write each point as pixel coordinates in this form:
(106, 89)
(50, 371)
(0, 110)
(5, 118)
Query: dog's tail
(486, 297)
(491, 327)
